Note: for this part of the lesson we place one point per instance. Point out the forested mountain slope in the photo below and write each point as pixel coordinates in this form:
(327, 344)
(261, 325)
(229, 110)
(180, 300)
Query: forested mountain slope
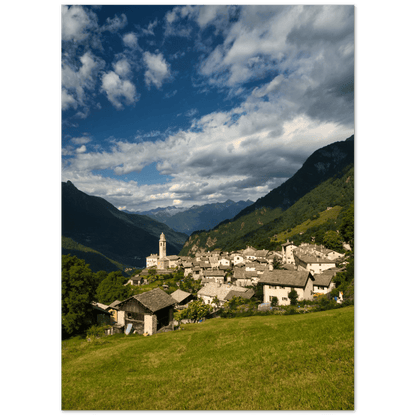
(260, 228)
(125, 238)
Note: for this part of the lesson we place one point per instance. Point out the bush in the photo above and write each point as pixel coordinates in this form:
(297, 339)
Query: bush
(96, 332)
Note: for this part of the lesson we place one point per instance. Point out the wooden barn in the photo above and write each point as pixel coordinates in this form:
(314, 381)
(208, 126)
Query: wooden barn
(148, 312)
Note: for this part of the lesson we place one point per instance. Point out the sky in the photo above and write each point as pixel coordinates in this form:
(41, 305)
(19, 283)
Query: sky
(189, 105)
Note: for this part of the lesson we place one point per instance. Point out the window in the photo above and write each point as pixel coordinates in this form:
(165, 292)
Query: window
(129, 316)
(284, 298)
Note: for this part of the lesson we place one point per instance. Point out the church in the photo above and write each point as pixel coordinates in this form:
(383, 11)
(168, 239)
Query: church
(161, 262)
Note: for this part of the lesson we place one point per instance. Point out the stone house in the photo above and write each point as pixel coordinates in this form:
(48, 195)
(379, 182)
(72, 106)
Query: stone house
(136, 280)
(212, 290)
(250, 253)
(237, 258)
(148, 312)
(278, 283)
(216, 276)
(151, 260)
(100, 314)
(312, 263)
(287, 252)
(323, 282)
(243, 277)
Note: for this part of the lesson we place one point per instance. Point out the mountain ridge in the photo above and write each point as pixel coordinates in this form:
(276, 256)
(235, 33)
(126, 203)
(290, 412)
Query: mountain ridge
(126, 238)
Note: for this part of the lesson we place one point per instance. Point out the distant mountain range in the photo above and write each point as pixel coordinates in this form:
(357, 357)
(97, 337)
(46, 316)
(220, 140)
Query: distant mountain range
(198, 217)
(128, 239)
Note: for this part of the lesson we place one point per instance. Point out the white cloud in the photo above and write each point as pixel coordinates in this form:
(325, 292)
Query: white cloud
(157, 69)
(76, 82)
(130, 40)
(306, 103)
(81, 149)
(81, 140)
(74, 23)
(68, 100)
(117, 89)
(115, 24)
(122, 67)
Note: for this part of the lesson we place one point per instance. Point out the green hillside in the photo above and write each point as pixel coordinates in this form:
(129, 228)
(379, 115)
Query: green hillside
(270, 362)
(95, 259)
(264, 227)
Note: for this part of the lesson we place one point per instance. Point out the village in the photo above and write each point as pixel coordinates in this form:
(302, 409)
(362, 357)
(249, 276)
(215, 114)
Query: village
(308, 269)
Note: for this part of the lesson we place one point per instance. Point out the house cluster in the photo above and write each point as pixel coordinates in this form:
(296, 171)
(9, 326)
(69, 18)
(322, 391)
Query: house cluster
(308, 269)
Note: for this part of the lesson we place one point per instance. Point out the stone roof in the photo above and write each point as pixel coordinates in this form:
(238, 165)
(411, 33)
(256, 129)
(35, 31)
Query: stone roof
(310, 258)
(114, 304)
(262, 253)
(99, 305)
(244, 274)
(324, 278)
(288, 266)
(179, 295)
(248, 294)
(285, 278)
(136, 277)
(214, 273)
(220, 291)
(288, 243)
(154, 300)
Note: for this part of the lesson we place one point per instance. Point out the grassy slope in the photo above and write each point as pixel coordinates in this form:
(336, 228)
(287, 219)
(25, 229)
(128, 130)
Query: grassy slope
(323, 217)
(263, 362)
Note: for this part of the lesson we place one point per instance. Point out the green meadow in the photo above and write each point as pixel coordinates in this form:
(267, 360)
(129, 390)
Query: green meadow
(296, 362)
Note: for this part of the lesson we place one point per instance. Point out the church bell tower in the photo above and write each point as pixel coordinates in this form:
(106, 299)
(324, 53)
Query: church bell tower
(162, 246)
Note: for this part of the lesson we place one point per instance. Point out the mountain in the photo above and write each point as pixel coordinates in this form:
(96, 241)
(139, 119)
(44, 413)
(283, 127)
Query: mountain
(326, 179)
(267, 228)
(198, 217)
(125, 238)
(96, 260)
(320, 166)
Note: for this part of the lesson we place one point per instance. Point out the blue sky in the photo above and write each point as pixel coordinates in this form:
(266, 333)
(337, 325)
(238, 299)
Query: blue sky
(185, 105)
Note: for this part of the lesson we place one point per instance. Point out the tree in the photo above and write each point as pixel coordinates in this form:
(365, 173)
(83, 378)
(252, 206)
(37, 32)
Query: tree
(333, 240)
(293, 296)
(195, 311)
(216, 301)
(112, 288)
(78, 291)
(347, 226)
(274, 301)
(276, 263)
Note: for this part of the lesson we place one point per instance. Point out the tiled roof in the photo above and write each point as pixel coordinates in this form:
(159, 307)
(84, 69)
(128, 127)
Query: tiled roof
(285, 278)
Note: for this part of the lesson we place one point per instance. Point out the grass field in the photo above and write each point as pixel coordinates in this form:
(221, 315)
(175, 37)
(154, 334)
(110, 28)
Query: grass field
(254, 363)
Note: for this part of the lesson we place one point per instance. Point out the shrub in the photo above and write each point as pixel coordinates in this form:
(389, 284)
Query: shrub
(293, 296)
(96, 332)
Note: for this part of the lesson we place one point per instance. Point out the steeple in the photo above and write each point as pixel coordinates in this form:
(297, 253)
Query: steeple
(162, 246)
